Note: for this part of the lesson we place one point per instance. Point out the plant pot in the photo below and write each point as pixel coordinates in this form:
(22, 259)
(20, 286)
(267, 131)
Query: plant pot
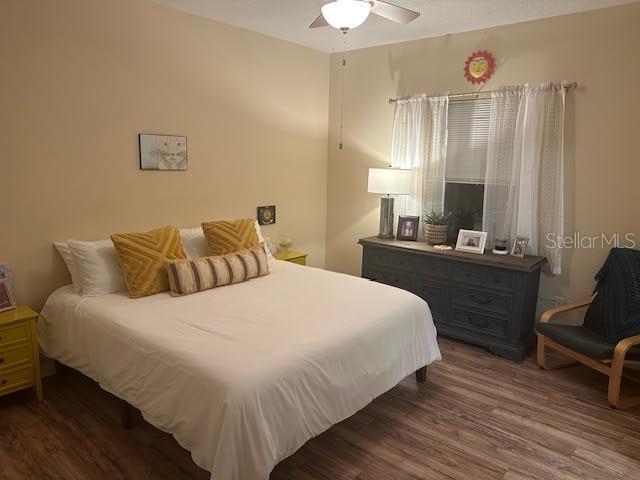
(435, 234)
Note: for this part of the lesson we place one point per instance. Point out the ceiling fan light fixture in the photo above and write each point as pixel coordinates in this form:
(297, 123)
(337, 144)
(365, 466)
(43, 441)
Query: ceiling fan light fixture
(346, 14)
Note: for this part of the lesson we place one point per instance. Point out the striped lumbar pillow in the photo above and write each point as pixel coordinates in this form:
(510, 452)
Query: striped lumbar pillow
(191, 276)
(228, 236)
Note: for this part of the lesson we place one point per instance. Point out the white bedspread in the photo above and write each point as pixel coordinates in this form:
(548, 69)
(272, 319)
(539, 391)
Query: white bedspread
(243, 375)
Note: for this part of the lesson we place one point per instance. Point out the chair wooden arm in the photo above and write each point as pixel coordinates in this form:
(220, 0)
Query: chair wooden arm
(552, 312)
(615, 375)
(623, 346)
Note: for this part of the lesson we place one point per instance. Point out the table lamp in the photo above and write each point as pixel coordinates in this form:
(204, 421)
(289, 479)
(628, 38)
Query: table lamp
(388, 181)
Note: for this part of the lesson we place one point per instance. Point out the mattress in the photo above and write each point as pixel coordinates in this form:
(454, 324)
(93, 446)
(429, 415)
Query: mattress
(242, 376)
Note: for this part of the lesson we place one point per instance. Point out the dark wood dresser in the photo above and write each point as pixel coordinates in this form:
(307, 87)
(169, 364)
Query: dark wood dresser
(488, 300)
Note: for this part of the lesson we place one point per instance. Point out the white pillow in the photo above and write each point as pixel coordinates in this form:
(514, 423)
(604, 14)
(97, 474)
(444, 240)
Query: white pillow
(65, 252)
(193, 242)
(97, 267)
(261, 239)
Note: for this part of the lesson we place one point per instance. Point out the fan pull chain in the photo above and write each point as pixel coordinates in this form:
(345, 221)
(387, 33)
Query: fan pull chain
(344, 64)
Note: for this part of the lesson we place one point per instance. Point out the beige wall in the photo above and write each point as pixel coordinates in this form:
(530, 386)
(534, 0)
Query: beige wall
(598, 49)
(81, 78)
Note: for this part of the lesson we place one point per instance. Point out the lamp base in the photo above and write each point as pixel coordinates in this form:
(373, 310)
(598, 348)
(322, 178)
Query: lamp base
(386, 218)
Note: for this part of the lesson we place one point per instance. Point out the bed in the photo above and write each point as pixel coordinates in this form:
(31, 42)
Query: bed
(242, 376)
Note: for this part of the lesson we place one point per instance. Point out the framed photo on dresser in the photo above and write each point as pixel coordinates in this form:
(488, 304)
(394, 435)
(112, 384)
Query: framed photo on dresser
(519, 247)
(407, 227)
(471, 241)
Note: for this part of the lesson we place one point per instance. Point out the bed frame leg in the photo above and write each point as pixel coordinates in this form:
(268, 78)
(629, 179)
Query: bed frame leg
(421, 375)
(126, 415)
(61, 372)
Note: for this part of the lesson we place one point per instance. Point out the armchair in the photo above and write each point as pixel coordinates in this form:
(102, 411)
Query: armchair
(583, 344)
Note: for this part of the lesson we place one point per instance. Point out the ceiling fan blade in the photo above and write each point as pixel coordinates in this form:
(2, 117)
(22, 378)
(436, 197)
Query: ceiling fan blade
(393, 12)
(319, 22)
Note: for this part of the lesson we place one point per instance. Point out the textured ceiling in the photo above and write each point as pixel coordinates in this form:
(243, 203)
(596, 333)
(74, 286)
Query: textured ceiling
(289, 19)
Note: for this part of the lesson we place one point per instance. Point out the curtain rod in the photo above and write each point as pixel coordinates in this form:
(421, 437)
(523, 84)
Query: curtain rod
(472, 95)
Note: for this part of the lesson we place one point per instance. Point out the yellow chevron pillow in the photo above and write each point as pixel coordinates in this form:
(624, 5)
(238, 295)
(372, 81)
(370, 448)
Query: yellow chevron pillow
(191, 276)
(228, 236)
(142, 257)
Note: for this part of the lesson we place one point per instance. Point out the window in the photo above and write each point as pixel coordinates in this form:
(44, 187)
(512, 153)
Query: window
(467, 140)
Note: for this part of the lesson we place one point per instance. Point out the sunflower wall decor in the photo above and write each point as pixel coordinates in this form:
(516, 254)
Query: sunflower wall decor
(479, 66)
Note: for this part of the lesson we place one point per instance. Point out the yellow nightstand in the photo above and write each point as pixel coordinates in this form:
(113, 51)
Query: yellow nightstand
(290, 256)
(19, 356)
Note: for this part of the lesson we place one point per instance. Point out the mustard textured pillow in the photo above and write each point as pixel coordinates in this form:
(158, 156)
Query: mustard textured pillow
(142, 257)
(228, 236)
(191, 276)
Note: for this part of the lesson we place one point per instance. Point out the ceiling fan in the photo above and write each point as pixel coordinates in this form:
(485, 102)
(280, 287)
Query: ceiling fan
(347, 14)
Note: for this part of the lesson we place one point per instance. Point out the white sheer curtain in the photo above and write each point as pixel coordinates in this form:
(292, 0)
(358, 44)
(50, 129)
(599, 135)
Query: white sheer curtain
(419, 142)
(525, 166)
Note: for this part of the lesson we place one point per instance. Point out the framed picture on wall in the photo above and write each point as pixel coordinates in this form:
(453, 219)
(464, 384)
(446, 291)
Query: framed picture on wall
(267, 215)
(162, 152)
(6, 301)
(471, 241)
(407, 227)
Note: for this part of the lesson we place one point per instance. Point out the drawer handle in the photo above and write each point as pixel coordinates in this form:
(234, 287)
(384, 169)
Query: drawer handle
(1, 360)
(478, 322)
(3, 382)
(486, 300)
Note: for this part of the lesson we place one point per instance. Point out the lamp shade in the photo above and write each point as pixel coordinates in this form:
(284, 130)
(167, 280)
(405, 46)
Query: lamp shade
(390, 181)
(345, 14)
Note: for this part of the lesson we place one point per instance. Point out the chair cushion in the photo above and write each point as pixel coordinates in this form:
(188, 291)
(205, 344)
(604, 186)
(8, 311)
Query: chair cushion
(583, 340)
(618, 287)
(592, 318)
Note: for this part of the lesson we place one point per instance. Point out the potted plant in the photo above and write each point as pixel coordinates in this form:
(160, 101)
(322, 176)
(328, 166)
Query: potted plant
(436, 226)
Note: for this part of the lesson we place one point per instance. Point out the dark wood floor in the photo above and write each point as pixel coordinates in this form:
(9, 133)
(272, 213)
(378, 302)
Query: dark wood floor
(477, 416)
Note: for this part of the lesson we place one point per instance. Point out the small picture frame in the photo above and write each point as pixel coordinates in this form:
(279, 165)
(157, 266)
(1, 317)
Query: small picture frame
(519, 247)
(267, 215)
(6, 301)
(6, 274)
(407, 227)
(471, 241)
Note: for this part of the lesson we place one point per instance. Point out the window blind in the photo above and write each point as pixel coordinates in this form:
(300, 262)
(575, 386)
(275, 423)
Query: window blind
(467, 139)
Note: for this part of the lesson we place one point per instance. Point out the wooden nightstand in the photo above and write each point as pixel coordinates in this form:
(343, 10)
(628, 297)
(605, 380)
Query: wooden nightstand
(19, 356)
(290, 256)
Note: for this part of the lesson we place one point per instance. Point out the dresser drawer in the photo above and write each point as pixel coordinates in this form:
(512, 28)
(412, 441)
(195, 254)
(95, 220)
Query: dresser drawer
(410, 262)
(478, 300)
(487, 277)
(479, 324)
(13, 334)
(389, 277)
(15, 356)
(436, 294)
(15, 379)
